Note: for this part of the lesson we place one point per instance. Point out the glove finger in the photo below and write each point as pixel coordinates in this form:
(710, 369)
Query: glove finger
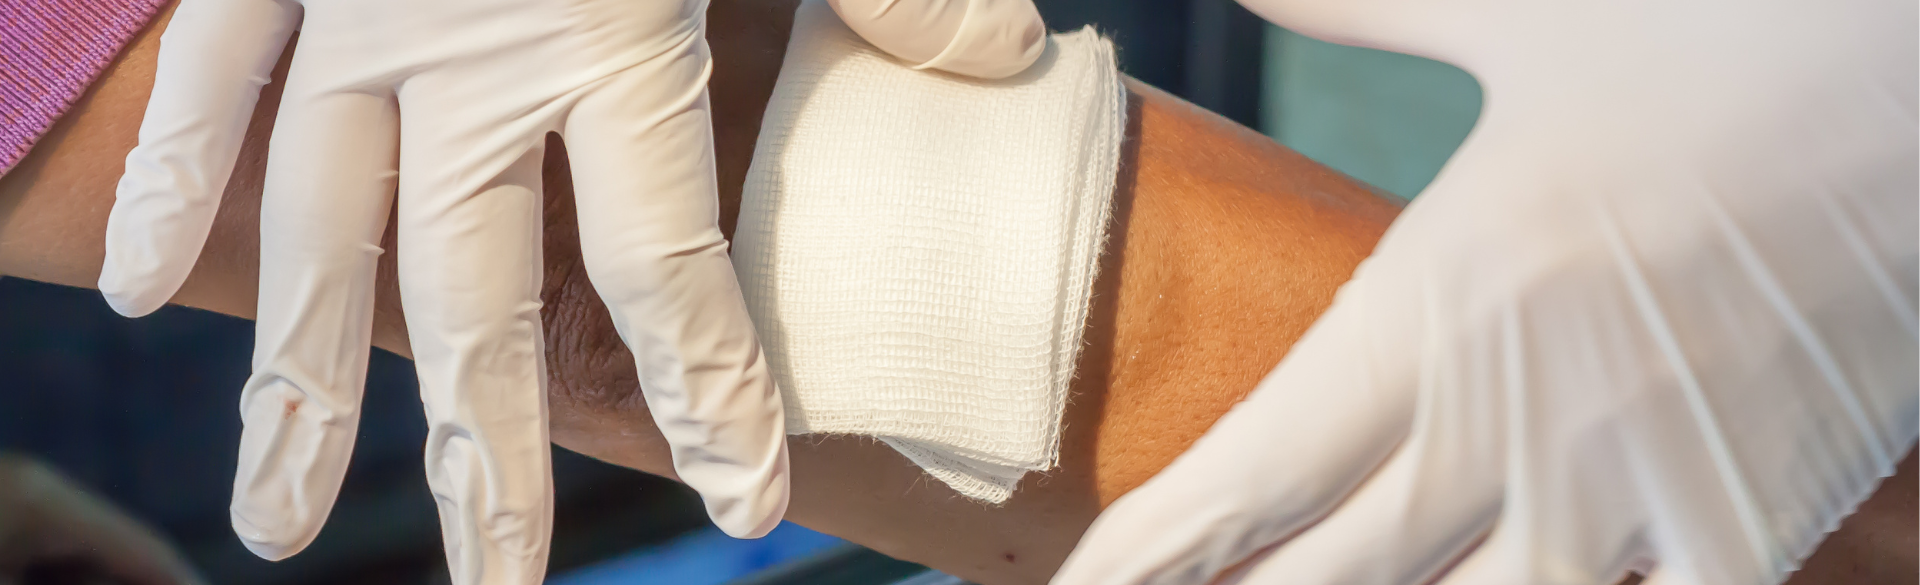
(1495, 563)
(1665, 575)
(1425, 508)
(642, 153)
(1510, 563)
(1314, 429)
(329, 186)
(470, 268)
(1532, 547)
(1556, 527)
(1441, 492)
(213, 59)
(1561, 519)
(990, 39)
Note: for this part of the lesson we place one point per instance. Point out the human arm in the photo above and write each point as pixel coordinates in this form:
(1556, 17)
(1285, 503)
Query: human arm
(1225, 247)
(1308, 241)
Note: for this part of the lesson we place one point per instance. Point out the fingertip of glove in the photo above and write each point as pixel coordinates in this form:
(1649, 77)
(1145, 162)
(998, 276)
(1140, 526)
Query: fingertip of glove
(752, 515)
(994, 43)
(129, 282)
(129, 300)
(273, 544)
(753, 526)
(267, 550)
(1033, 40)
(262, 546)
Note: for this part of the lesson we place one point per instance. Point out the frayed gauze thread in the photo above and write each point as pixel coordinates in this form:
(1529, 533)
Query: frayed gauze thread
(918, 249)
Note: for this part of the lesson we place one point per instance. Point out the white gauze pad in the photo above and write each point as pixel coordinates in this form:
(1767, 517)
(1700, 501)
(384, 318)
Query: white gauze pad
(917, 248)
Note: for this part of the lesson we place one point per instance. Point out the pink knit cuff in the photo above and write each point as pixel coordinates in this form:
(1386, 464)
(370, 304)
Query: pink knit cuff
(50, 51)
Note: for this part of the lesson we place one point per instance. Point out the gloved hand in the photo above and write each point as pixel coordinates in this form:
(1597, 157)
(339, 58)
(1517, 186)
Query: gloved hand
(1657, 313)
(450, 101)
(459, 96)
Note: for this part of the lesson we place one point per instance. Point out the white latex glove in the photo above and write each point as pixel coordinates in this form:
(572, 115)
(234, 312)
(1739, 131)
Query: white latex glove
(460, 95)
(1658, 313)
(450, 102)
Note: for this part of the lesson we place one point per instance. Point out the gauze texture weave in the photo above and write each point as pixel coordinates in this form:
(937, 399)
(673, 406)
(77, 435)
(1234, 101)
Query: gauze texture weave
(917, 249)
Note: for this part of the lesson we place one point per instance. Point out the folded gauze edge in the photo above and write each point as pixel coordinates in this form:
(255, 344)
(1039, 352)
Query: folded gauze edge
(917, 248)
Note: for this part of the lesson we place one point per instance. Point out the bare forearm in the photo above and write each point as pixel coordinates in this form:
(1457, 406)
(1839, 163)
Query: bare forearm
(1283, 259)
(1224, 248)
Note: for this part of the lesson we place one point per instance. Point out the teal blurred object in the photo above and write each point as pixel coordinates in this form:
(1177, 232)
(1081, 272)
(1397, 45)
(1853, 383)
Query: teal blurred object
(704, 557)
(1388, 119)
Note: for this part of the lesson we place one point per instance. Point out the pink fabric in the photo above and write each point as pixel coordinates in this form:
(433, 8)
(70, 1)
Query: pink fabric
(50, 51)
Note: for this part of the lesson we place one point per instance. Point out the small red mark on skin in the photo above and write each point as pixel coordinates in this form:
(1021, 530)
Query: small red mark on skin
(1008, 556)
(293, 406)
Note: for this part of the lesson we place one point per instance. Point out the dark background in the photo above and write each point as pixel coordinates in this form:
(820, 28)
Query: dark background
(145, 411)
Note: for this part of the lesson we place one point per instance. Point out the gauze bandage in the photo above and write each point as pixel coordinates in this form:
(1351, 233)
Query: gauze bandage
(917, 249)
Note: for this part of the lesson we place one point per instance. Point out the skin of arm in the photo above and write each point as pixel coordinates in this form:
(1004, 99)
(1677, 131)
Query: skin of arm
(1223, 249)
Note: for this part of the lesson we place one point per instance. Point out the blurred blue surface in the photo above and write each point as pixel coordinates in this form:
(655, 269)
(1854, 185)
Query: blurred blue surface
(146, 411)
(1388, 119)
(706, 557)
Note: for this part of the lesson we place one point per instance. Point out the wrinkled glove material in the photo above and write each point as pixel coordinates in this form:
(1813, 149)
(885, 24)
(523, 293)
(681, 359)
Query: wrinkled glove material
(437, 111)
(988, 39)
(1656, 314)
